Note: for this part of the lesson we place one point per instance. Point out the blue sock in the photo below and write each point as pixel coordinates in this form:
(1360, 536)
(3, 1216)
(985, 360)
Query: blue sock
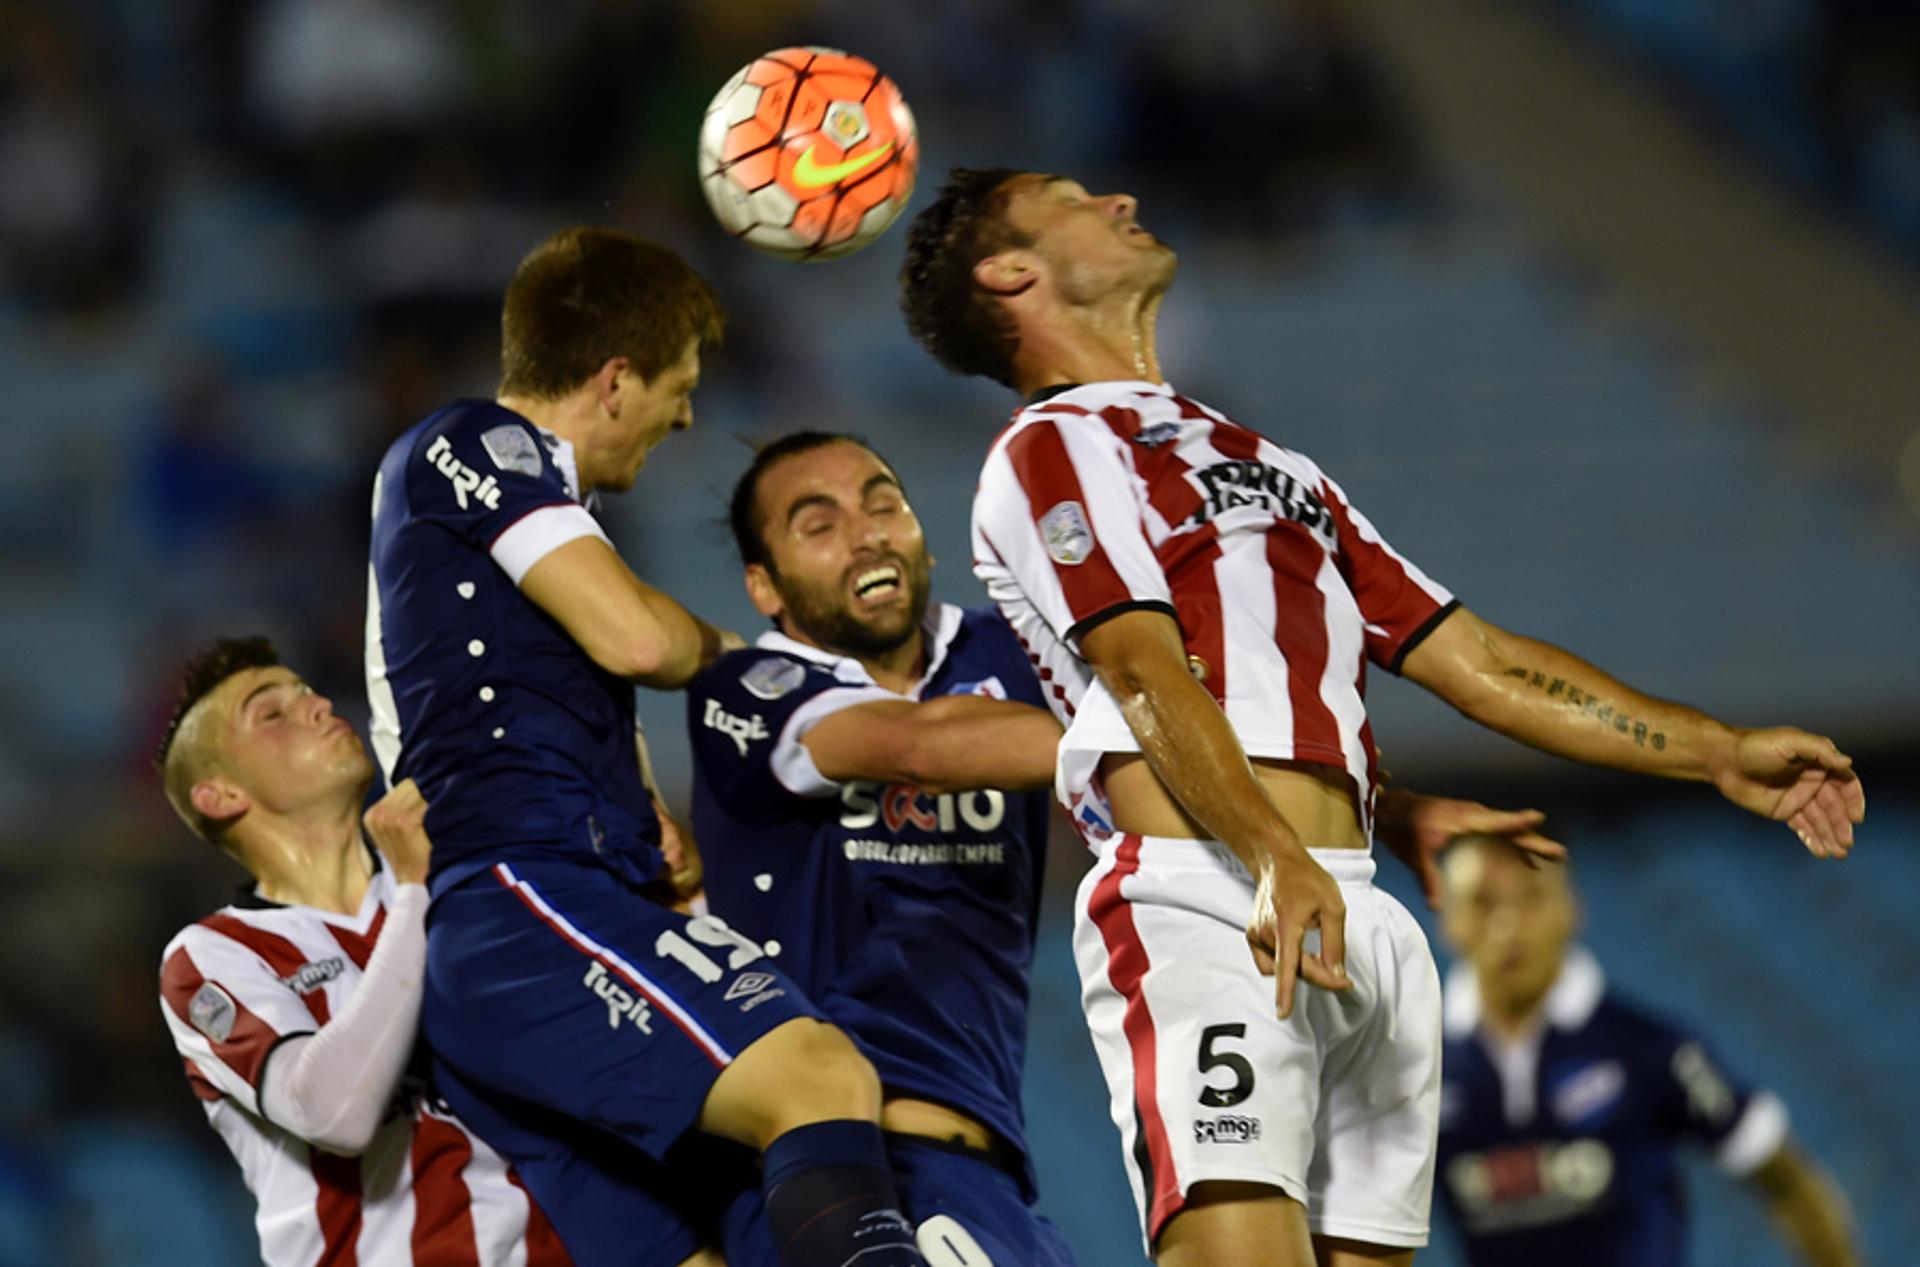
(830, 1198)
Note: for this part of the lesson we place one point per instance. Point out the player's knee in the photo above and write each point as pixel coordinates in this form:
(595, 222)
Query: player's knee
(805, 1071)
(828, 1077)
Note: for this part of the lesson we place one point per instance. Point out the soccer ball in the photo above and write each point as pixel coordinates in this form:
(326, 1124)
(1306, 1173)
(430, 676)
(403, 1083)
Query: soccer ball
(808, 153)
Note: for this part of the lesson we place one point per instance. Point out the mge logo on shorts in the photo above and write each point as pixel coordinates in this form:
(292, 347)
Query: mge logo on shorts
(621, 1002)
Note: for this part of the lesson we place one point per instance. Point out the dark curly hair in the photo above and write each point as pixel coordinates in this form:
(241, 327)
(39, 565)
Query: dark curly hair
(962, 327)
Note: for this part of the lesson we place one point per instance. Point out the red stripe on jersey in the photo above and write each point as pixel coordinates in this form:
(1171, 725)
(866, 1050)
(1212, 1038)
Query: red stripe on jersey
(1127, 966)
(281, 955)
(359, 946)
(1387, 596)
(1045, 472)
(248, 1041)
(443, 1233)
(337, 1206)
(1300, 628)
(1124, 422)
(543, 1243)
(202, 1086)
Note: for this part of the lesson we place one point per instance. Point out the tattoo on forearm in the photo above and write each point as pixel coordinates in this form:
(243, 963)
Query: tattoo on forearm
(1559, 688)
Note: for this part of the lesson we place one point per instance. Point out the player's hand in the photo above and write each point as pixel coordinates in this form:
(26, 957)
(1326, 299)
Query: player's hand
(684, 869)
(1294, 896)
(1417, 829)
(1798, 779)
(398, 824)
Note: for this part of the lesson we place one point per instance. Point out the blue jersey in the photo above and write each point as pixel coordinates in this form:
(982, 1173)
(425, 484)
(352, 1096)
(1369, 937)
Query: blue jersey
(522, 746)
(1561, 1148)
(907, 917)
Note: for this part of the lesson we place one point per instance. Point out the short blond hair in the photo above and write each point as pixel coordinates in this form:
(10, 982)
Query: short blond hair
(186, 753)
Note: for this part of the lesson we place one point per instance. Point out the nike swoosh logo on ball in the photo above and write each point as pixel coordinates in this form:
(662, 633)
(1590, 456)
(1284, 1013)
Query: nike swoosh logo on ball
(812, 175)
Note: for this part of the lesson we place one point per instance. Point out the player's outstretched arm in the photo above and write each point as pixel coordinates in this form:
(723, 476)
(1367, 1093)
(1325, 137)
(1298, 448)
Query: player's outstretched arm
(1191, 747)
(1418, 829)
(1808, 1208)
(628, 627)
(1553, 700)
(333, 1088)
(954, 743)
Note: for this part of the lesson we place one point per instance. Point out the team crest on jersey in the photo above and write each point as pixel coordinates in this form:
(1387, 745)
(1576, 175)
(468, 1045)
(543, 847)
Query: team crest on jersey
(213, 1012)
(1158, 434)
(991, 687)
(512, 449)
(1069, 539)
(773, 677)
(1583, 1097)
(309, 977)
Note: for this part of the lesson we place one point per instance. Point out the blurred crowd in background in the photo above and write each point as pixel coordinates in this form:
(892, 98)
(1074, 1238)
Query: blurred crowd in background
(245, 242)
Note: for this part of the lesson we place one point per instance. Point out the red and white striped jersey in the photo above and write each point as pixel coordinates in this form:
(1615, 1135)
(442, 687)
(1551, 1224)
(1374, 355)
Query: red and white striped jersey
(1108, 497)
(425, 1193)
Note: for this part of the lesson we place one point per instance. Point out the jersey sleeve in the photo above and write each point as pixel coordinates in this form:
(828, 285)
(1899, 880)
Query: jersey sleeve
(1707, 1104)
(495, 487)
(1400, 604)
(227, 1011)
(1057, 503)
(747, 717)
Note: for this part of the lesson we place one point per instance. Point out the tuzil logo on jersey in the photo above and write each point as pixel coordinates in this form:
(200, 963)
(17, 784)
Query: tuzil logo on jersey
(467, 482)
(1233, 485)
(742, 730)
(621, 1003)
(865, 803)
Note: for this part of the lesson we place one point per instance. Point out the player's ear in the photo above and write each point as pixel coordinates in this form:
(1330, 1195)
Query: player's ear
(1006, 273)
(217, 799)
(606, 384)
(761, 590)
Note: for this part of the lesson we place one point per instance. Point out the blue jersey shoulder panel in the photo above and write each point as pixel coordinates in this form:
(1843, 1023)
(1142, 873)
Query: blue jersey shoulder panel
(520, 743)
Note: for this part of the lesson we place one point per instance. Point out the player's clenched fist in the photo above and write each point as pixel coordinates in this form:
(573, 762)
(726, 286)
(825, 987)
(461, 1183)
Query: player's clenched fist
(1295, 894)
(398, 824)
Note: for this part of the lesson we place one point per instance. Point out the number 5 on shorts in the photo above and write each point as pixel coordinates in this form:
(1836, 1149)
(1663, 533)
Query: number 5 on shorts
(1225, 1097)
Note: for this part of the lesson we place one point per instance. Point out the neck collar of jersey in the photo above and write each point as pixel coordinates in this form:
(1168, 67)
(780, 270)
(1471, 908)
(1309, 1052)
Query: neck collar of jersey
(1569, 1005)
(1136, 384)
(941, 624)
(564, 461)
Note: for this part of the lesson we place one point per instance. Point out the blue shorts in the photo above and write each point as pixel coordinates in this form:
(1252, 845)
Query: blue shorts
(932, 1178)
(578, 1027)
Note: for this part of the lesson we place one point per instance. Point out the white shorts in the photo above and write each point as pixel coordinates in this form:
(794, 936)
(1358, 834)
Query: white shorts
(1337, 1106)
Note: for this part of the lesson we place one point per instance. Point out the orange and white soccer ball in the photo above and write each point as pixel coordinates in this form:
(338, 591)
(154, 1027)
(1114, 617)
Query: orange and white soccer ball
(808, 153)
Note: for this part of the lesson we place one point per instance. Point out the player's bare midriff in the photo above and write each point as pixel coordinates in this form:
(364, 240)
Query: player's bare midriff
(908, 1116)
(1317, 801)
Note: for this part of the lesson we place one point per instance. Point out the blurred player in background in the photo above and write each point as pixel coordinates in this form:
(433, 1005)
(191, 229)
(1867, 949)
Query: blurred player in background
(1563, 1105)
(579, 1023)
(870, 792)
(295, 1006)
(1200, 596)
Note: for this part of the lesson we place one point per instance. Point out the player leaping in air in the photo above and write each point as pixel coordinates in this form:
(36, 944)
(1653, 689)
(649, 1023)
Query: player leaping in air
(578, 1023)
(1207, 601)
(870, 792)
